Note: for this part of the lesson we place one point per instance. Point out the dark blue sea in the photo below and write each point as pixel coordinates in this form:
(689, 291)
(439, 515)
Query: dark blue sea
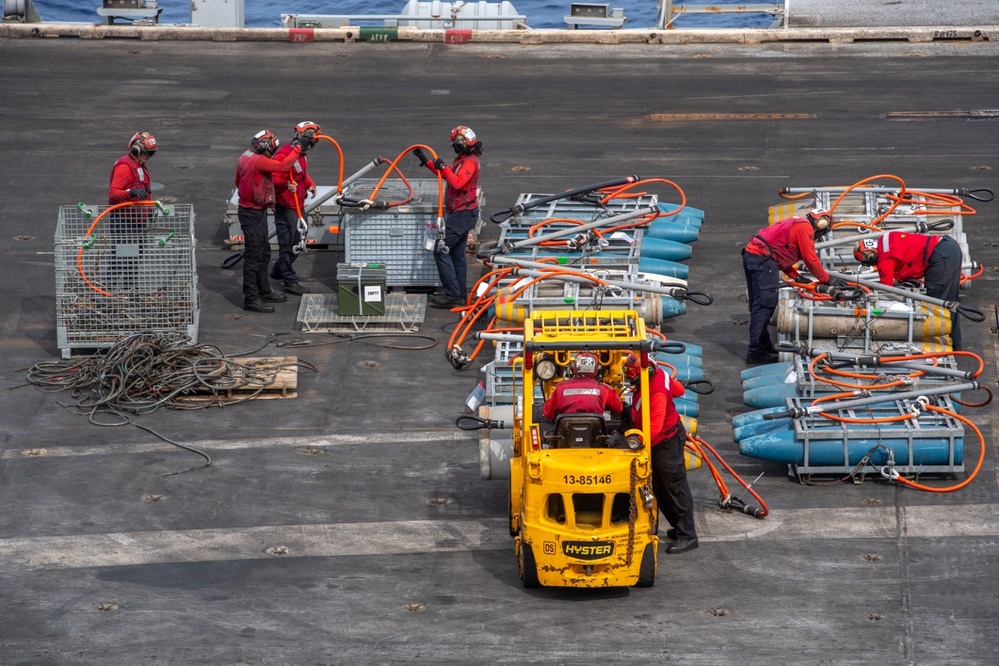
(540, 14)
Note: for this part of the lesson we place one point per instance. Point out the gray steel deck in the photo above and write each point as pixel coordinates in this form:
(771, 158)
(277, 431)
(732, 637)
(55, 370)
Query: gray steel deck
(349, 525)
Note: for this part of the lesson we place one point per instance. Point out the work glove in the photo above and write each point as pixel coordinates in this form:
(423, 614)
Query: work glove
(420, 155)
(138, 193)
(302, 147)
(836, 282)
(439, 164)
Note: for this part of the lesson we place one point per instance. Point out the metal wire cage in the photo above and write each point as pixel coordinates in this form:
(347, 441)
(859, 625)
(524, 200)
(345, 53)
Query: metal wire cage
(394, 237)
(129, 271)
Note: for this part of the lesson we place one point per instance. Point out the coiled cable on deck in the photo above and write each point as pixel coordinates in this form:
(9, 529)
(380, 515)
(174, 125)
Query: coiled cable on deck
(147, 370)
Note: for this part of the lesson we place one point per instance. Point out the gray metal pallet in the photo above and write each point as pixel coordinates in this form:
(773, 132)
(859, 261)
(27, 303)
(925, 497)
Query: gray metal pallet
(317, 313)
(929, 425)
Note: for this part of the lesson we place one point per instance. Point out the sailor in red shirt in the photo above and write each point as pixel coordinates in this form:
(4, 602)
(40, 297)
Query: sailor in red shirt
(129, 177)
(936, 260)
(461, 212)
(130, 181)
(582, 393)
(778, 247)
(288, 187)
(256, 195)
(668, 440)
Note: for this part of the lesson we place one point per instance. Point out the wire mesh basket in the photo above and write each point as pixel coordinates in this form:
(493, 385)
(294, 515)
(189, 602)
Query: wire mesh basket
(123, 270)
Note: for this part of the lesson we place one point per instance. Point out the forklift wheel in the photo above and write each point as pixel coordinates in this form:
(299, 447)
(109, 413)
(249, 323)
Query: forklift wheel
(647, 572)
(528, 569)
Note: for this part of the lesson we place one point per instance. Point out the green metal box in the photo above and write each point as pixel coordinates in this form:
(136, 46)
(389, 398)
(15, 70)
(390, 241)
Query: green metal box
(360, 289)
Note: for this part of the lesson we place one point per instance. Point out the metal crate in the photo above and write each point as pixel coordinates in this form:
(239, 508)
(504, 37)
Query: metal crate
(393, 236)
(128, 271)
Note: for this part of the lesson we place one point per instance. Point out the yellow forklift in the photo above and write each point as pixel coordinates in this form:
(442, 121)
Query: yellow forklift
(582, 511)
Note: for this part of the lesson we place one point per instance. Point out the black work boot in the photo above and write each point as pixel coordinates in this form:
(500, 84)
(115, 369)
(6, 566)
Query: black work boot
(762, 357)
(273, 297)
(257, 305)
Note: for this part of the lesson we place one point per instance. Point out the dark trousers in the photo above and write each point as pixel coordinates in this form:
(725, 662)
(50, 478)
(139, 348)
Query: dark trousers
(126, 230)
(451, 267)
(943, 279)
(286, 226)
(762, 283)
(256, 252)
(669, 484)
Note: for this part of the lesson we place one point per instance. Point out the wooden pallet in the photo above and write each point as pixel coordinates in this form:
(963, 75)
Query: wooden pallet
(283, 386)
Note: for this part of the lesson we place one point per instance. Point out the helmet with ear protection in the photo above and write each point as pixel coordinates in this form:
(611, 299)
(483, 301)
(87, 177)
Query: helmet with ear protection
(264, 141)
(632, 367)
(462, 138)
(866, 251)
(306, 132)
(822, 221)
(585, 364)
(142, 143)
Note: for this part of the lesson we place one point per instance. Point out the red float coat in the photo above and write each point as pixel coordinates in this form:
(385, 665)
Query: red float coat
(791, 240)
(298, 172)
(903, 256)
(462, 183)
(127, 174)
(253, 177)
(581, 394)
(663, 416)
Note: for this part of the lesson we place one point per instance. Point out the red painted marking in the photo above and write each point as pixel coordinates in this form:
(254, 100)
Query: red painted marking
(454, 36)
(301, 35)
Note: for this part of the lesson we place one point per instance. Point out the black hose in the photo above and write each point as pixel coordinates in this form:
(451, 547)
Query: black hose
(793, 413)
(233, 259)
(490, 249)
(669, 347)
(941, 225)
(695, 386)
(700, 298)
(971, 194)
(739, 505)
(791, 347)
(971, 313)
(504, 215)
(478, 423)
(347, 202)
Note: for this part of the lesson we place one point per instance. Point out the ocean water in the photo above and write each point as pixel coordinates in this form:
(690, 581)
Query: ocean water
(540, 14)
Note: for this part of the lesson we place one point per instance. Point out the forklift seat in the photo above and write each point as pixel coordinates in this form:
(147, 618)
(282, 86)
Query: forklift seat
(581, 430)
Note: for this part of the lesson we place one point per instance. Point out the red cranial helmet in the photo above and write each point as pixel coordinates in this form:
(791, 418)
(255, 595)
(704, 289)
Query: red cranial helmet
(307, 131)
(264, 141)
(822, 221)
(632, 367)
(142, 143)
(463, 137)
(585, 364)
(866, 251)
